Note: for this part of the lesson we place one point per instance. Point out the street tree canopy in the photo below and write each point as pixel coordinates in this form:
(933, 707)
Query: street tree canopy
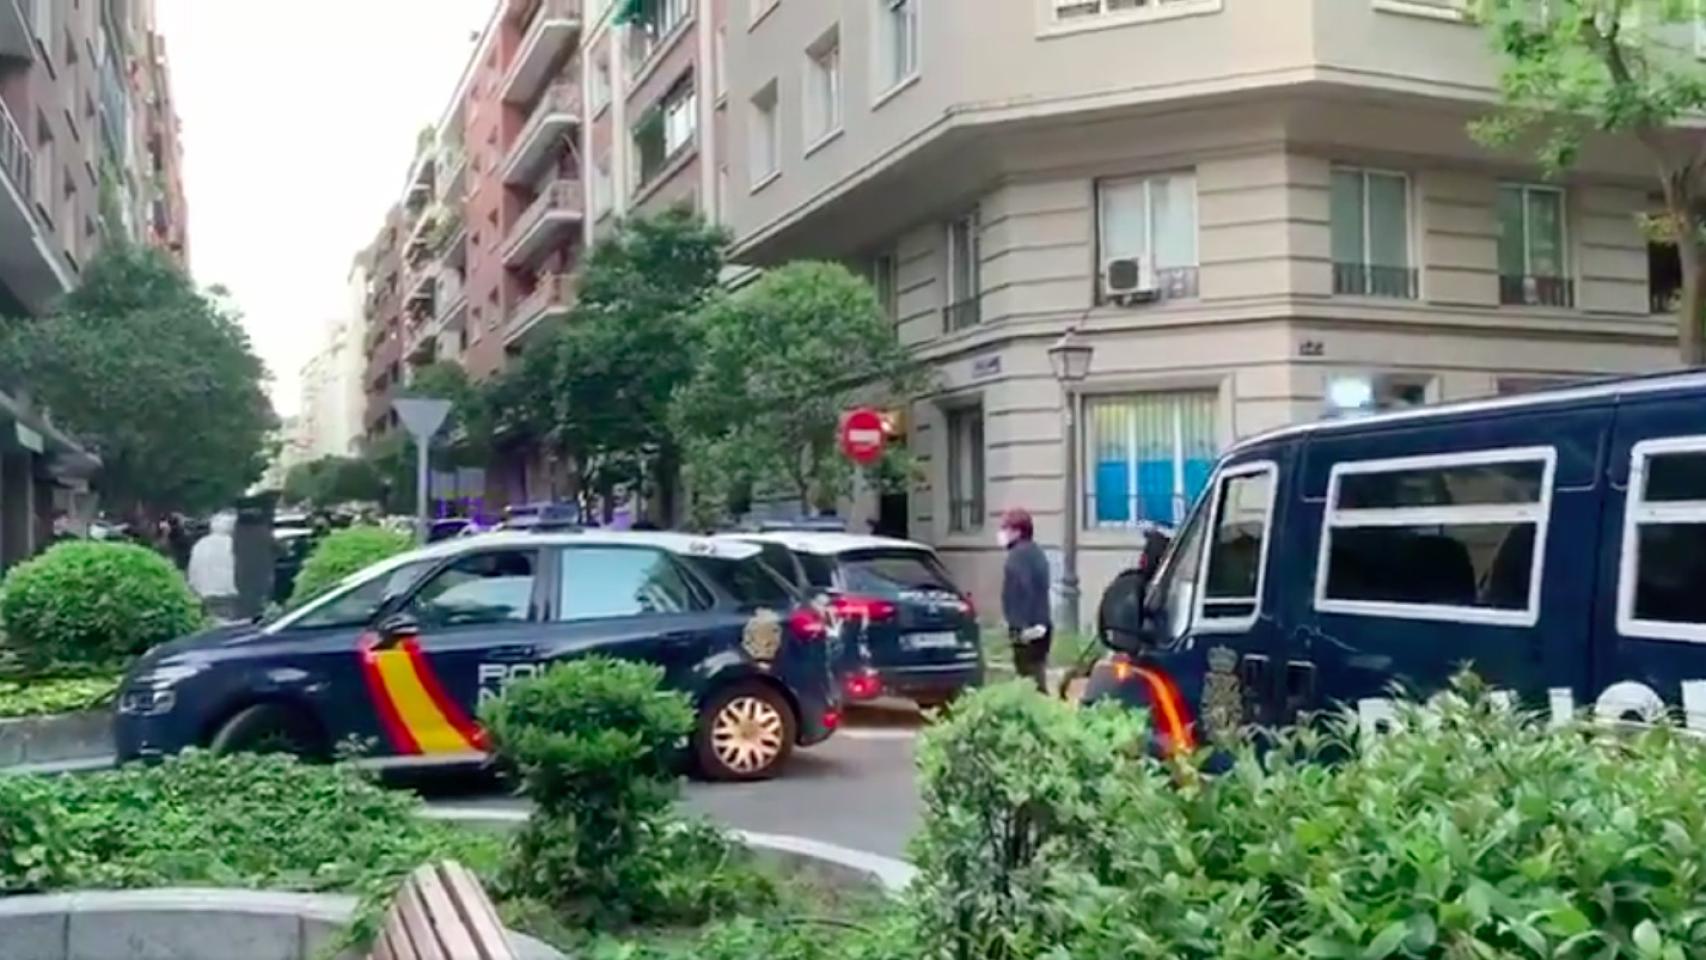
(1570, 68)
(779, 363)
(155, 376)
(330, 481)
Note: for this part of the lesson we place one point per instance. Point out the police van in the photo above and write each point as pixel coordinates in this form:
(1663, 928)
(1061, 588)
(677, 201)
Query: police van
(1554, 542)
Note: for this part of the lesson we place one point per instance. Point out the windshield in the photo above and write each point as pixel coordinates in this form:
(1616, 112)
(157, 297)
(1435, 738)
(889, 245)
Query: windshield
(893, 573)
(1174, 588)
(354, 603)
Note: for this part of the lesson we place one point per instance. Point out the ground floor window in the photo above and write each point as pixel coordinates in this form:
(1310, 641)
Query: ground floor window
(965, 469)
(1147, 455)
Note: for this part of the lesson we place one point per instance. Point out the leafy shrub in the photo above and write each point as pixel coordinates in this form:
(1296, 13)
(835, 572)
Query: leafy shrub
(58, 695)
(1469, 831)
(239, 821)
(94, 602)
(596, 743)
(342, 553)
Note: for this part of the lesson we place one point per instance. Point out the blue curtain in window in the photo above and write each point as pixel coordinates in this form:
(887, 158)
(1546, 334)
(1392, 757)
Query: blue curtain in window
(1140, 448)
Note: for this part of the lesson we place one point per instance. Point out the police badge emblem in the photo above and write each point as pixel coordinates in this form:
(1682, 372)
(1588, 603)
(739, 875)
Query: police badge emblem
(1223, 695)
(762, 638)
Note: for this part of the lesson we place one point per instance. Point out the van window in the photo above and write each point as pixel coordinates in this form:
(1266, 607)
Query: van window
(1664, 542)
(1173, 592)
(1452, 537)
(1243, 510)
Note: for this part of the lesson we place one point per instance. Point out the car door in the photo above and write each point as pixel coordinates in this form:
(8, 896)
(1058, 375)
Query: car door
(633, 602)
(480, 624)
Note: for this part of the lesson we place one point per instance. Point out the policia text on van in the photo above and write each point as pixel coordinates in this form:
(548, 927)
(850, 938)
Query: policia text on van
(1556, 542)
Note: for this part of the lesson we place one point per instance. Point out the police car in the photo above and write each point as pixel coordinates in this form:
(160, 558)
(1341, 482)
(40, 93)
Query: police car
(902, 626)
(399, 657)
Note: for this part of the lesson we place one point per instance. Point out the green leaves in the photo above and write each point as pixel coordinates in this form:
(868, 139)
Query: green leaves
(342, 553)
(57, 695)
(87, 602)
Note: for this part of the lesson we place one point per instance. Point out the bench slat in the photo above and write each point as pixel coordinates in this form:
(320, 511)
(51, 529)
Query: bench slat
(477, 912)
(418, 925)
(442, 914)
(395, 938)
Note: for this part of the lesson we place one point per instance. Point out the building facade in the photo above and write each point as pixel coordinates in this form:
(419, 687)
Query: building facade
(333, 399)
(1250, 209)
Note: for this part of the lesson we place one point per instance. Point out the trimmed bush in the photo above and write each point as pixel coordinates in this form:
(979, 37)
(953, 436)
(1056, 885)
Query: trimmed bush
(342, 553)
(94, 602)
(36, 698)
(1469, 831)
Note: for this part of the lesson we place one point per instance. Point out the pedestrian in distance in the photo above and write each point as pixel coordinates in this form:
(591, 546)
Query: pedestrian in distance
(1025, 597)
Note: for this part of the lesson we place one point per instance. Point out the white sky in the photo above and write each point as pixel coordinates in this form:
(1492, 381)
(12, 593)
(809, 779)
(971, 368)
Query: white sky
(299, 125)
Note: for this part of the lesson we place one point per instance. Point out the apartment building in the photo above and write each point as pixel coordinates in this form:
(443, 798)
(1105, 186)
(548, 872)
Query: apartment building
(1250, 209)
(383, 329)
(156, 176)
(333, 400)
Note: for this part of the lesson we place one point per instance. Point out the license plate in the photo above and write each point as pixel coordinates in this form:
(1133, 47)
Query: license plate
(930, 641)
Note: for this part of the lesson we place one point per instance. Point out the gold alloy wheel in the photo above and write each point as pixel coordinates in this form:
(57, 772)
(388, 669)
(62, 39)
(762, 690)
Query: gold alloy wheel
(746, 735)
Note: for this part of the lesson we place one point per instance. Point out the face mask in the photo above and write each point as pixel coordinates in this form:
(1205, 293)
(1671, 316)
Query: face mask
(1005, 537)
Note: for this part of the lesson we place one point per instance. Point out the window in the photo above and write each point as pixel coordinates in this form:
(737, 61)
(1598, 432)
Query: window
(664, 131)
(885, 282)
(1147, 456)
(1456, 537)
(1532, 265)
(892, 574)
(601, 85)
(1664, 542)
(603, 582)
(355, 605)
(751, 581)
(965, 264)
(483, 588)
(680, 118)
(46, 162)
(602, 189)
(1371, 234)
(823, 87)
(1153, 221)
(965, 469)
(1069, 11)
(897, 42)
(654, 21)
(766, 152)
(1173, 593)
(720, 66)
(1237, 548)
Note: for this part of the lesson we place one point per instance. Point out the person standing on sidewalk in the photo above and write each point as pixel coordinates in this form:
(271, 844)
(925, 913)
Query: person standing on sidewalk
(1025, 598)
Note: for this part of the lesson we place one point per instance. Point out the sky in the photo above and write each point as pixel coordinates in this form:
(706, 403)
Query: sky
(299, 125)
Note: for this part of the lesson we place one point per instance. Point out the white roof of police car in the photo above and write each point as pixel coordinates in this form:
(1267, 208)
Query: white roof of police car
(826, 543)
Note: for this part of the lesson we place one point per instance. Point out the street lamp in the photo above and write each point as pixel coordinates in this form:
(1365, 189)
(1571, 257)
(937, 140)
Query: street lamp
(1070, 359)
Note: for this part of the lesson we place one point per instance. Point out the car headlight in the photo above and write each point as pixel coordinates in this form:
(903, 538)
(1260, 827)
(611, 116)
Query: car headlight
(153, 693)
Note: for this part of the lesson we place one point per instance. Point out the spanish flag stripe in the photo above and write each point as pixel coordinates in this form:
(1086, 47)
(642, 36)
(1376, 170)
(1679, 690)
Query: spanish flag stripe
(402, 742)
(452, 711)
(432, 731)
(1167, 700)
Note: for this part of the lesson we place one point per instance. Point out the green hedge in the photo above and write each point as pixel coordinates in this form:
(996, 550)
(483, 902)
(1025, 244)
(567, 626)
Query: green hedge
(58, 695)
(88, 602)
(342, 553)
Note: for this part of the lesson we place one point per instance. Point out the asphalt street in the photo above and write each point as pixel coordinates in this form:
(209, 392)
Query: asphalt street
(857, 790)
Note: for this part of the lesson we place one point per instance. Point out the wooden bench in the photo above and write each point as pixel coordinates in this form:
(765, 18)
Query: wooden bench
(441, 913)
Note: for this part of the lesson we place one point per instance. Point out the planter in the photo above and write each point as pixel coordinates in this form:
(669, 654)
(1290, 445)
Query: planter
(69, 739)
(187, 924)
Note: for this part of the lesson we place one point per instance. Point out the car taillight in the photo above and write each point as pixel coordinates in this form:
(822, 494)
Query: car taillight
(1171, 715)
(971, 608)
(864, 685)
(868, 609)
(805, 623)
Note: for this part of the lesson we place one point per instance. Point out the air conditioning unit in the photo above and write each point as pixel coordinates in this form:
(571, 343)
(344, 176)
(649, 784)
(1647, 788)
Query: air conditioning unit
(1129, 280)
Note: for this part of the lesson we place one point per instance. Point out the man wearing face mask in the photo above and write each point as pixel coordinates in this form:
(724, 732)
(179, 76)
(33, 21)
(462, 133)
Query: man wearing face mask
(1025, 597)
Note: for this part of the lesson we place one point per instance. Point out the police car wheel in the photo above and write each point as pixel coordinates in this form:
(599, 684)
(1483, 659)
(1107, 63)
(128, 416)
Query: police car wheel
(267, 728)
(745, 733)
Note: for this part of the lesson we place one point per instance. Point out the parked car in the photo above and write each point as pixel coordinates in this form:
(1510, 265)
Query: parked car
(401, 654)
(903, 626)
(291, 547)
(1554, 541)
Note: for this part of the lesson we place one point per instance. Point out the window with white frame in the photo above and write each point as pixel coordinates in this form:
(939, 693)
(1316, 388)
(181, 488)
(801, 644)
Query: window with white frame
(1370, 214)
(965, 269)
(1150, 220)
(1456, 537)
(1243, 508)
(885, 282)
(766, 135)
(601, 85)
(655, 21)
(1147, 456)
(1663, 561)
(1071, 11)
(664, 131)
(897, 42)
(965, 469)
(680, 118)
(1533, 262)
(603, 189)
(823, 87)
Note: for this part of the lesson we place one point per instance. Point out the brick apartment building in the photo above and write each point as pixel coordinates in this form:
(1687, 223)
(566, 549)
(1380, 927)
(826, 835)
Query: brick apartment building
(85, 114)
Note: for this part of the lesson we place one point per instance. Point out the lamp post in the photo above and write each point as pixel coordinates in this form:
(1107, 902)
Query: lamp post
(1070, 359)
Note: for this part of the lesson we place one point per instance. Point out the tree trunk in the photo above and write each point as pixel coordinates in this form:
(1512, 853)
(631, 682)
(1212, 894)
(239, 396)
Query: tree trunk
(1692, 253)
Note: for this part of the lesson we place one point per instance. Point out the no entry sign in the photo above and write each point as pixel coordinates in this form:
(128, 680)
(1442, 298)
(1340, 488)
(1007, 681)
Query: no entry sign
(863, 436)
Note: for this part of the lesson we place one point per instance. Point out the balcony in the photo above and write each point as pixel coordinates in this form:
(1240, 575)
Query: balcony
(540, 140)
(550, 301)
(1367, 280)
(1536, 291)
(546, 224)
(35, 269)
(547, 38)
(17, 34)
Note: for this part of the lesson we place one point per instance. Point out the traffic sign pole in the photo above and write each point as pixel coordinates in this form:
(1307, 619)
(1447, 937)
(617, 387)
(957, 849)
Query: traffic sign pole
(422, 418)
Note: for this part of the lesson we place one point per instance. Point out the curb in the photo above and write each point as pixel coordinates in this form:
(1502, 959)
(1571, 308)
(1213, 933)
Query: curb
(835, 863)
(56, 738)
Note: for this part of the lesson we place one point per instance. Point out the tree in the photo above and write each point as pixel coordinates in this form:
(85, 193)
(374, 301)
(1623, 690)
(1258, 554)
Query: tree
(779, 363)
(465, 438)
(1624, 67)
(329, 481)
(155, 376)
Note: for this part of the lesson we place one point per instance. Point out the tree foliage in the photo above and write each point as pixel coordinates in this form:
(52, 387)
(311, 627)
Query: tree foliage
(155, 376)
(329, 481)
(1571, 68)
(778, 365)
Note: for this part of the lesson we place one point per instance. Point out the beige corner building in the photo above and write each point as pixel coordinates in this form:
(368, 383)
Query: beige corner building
(1239, 203)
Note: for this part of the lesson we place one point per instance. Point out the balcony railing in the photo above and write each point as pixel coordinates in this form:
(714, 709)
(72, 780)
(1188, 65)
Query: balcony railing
(965, 515)
(557, 112)
(962, 313)
(1533, 291)
(553, 297)
(1664, 299)
(546, 37)
(1368, 280)
(16, 161)
(559, 204)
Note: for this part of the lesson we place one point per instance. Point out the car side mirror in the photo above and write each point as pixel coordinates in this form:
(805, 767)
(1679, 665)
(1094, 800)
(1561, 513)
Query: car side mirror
(396, 628)
(1120, 618)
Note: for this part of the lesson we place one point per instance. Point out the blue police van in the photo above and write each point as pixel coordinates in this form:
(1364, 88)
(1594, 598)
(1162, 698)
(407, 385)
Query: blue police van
(399, 657)
(1555, 542)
